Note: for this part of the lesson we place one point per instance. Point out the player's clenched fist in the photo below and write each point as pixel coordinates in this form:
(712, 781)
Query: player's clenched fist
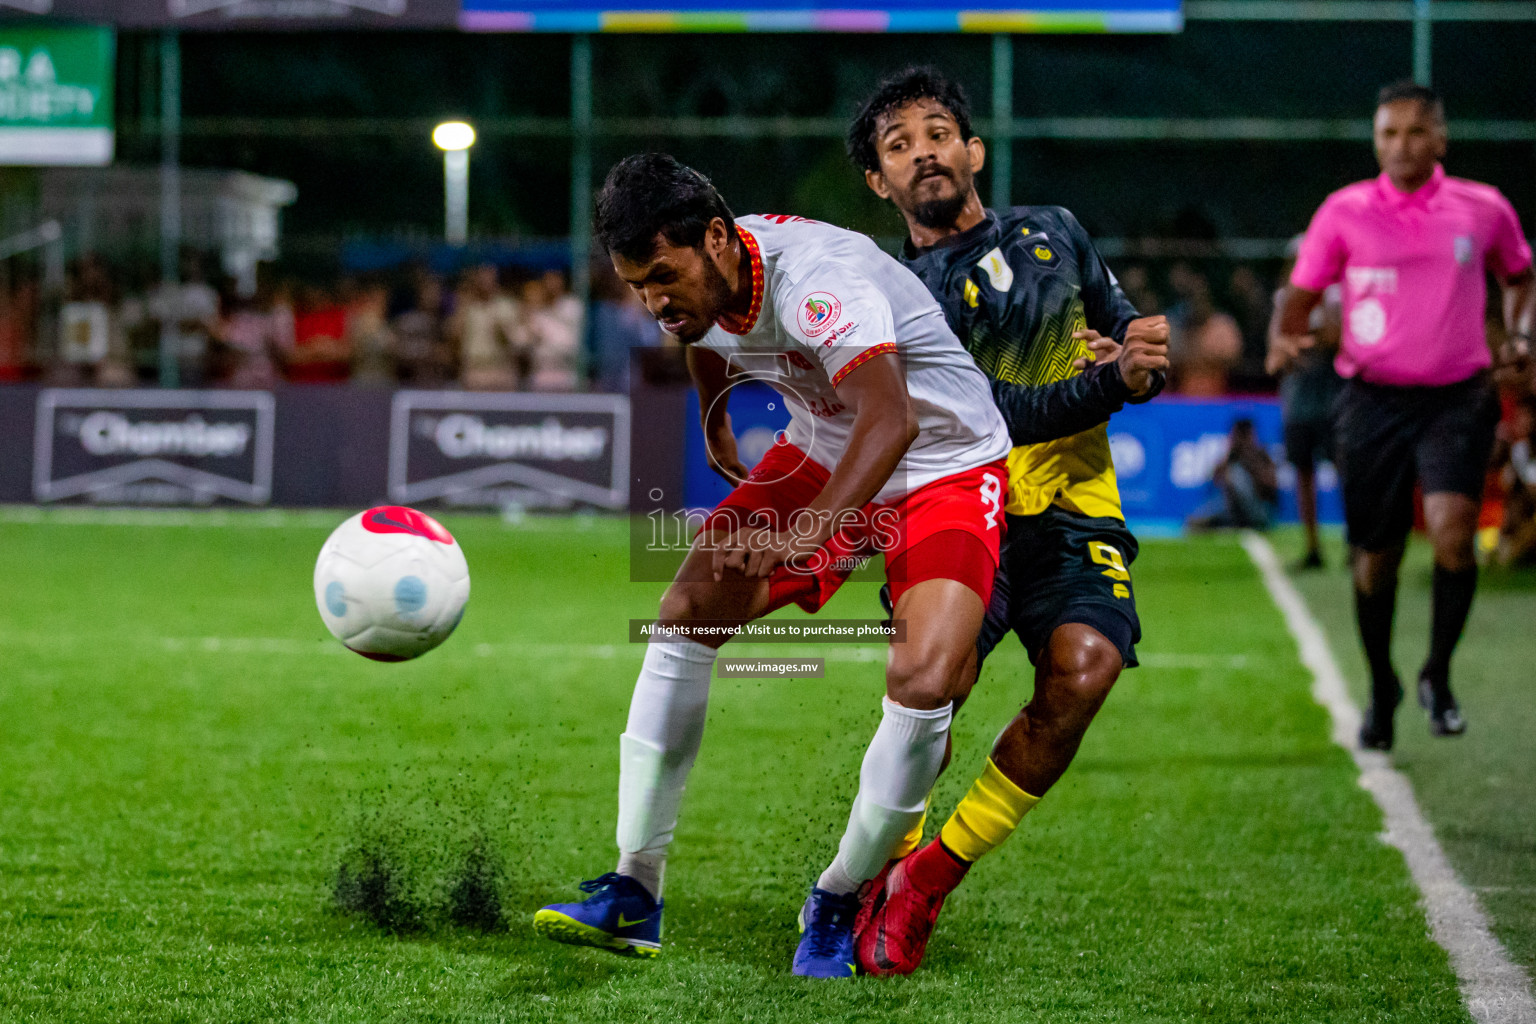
(1153, 330)
(1143, 354)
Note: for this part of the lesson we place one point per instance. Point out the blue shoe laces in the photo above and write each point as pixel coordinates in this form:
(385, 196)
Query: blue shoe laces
(611, 880)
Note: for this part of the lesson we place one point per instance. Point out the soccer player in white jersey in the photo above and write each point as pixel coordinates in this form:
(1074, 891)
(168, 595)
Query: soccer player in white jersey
(894, 445)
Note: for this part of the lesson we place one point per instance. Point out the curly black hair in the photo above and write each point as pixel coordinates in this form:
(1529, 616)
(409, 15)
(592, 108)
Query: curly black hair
(651, 195)
(1407, 89)
(896, 91)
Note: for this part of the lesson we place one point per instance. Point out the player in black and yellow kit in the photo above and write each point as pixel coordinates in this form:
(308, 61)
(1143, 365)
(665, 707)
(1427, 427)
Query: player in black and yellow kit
(1036, 306)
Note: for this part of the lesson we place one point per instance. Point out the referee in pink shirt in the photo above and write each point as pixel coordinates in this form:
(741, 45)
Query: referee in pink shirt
(1413, 249)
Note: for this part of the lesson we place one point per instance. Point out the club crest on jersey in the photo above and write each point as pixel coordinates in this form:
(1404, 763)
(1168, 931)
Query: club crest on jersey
(1043, 255)
(1462, 247)
(819, 312)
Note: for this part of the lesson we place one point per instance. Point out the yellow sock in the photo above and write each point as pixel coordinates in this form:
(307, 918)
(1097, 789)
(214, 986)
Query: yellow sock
(987, 815)
(913, 839)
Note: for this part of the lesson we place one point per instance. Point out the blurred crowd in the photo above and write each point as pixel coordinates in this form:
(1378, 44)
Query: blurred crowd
(486, 328)
(1218, 332)
(490, 328)
(1220, 343)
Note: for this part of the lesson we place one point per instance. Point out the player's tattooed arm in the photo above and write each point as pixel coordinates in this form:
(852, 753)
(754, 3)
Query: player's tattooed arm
(711, 375)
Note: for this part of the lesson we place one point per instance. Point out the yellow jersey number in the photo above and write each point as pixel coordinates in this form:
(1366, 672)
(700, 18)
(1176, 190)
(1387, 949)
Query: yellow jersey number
(1108, 554)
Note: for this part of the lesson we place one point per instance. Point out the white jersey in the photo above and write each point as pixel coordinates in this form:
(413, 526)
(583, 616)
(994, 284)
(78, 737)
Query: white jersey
(824, 301)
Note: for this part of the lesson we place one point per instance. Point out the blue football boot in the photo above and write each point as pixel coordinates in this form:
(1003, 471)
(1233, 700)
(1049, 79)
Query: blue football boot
(620, 916)
(826, 947)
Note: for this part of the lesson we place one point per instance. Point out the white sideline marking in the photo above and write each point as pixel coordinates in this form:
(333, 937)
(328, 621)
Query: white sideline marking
(254, 518)
(1496, 990)
(600, 652)
(219, 518)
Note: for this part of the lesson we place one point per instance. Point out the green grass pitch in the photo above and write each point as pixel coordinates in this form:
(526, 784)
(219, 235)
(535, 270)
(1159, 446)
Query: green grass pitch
(187, 760)
(1477, 789)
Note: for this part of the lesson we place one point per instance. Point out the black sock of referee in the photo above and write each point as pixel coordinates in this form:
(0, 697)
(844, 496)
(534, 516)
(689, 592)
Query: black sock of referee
(1374, 613)
(1451, 603)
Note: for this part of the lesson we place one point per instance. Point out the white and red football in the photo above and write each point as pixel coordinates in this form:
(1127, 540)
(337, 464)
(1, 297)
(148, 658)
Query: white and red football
(391, 583)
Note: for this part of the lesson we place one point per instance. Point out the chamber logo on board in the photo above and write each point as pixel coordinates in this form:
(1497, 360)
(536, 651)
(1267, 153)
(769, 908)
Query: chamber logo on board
(281, 8)
(153, 447)
(496, 450)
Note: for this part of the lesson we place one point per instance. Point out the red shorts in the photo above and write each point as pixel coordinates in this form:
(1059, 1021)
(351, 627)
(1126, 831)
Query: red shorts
(948, 529)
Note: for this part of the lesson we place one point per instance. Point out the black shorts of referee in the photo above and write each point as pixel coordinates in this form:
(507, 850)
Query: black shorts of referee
(1389, 438)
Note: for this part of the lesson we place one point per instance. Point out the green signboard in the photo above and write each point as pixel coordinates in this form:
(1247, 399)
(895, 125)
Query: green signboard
(55, 96)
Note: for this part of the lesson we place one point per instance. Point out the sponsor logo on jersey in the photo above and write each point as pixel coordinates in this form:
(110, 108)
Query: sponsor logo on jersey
(840, 332)
(1368, 321)
(819, 312)
(998, 270)
(1366, 280)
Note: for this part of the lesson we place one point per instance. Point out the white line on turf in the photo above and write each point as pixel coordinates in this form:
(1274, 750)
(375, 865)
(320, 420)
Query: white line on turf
(1496, 990)
(220, 518)
(254, 518)
(514, 648)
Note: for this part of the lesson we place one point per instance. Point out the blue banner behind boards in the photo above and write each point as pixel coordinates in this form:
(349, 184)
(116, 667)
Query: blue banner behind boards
(1165, 452)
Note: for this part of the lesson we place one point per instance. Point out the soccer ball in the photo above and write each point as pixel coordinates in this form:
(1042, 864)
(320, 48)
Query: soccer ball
(391, 583)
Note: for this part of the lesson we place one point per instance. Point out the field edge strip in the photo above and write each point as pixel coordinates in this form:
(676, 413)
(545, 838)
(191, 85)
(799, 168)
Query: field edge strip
(1495, 989)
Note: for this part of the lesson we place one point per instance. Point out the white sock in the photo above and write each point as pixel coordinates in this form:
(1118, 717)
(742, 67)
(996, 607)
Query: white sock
(649, 869)
(656, 752)
(899, 770)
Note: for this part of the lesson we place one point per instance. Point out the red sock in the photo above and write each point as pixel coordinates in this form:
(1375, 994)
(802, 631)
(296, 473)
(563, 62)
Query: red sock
(935, 869)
